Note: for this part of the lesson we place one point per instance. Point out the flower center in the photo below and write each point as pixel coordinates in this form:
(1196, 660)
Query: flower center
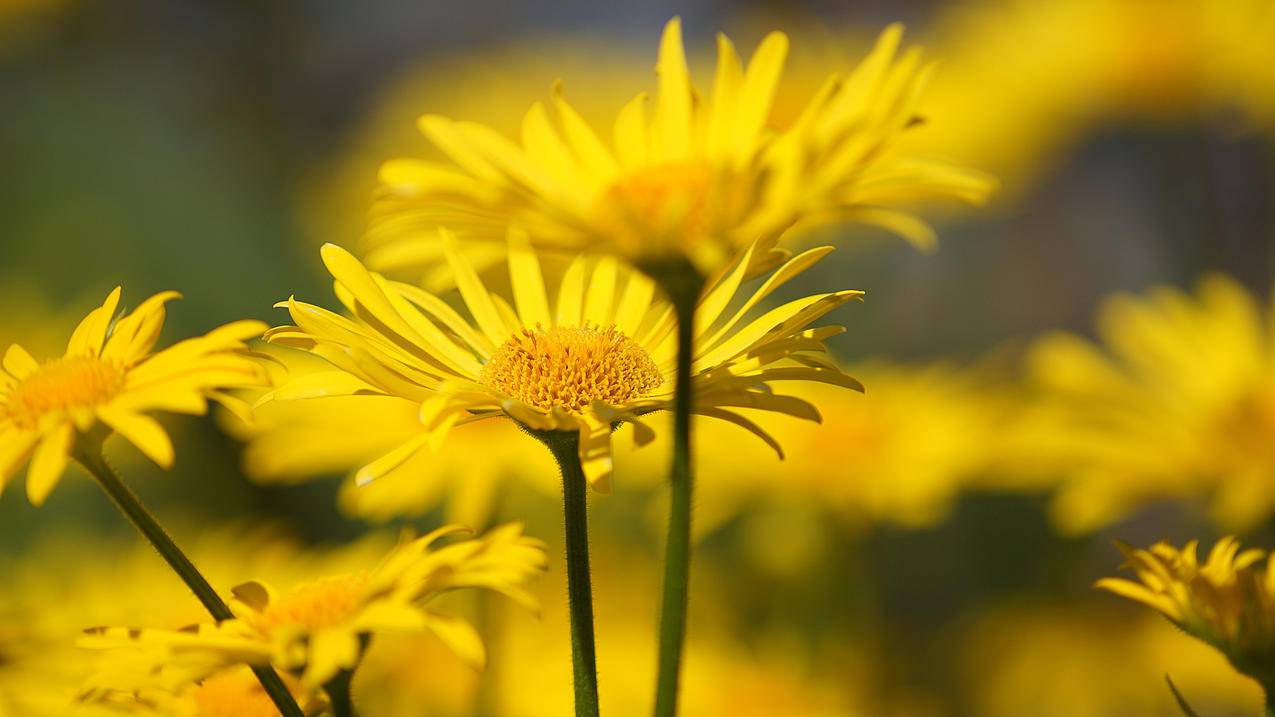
(232, 694)
(63, 384)
(321, 604)
(570, 368)
(666, 199)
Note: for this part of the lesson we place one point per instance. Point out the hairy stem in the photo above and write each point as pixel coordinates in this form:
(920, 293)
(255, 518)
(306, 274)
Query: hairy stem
(565, 448)
(95, 463)
(683, 286)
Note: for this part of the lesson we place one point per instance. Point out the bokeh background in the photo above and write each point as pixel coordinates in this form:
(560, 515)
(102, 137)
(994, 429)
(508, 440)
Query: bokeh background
(912, 558)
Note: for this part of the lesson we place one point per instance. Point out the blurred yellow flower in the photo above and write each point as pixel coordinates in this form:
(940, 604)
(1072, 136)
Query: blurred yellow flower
(110, 378)
(1048, 73)
(1228, 601)
(701, 179)
(293, 441)
(899, 454)
(604, 354)
(321, 628)
(114, 583)
(498, 82)
(1179, 402)
(234, 692)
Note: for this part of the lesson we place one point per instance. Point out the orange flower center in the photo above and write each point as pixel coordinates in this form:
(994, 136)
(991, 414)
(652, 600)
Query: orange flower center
(570, 368)
(321, 604)
(232, 694)
(63, 384)
(666, 199)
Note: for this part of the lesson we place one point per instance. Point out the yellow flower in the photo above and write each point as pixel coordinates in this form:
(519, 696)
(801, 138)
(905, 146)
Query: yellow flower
(604, 353)
(110, 378)
(122, 583)
(702, 178)
(293, 441)
(321, 627)
(333, 203)
(234, 692)
(1050, 73)
(1228, 601)
(1178, 402)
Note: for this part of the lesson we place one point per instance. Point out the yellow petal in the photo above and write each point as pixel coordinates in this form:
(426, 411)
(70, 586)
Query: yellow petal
(89, 335)
(48, 463)
(15, 447)
(600, 298)
(19, 363)
(757, 92)
(460, 637)
(528, 283)
(571, 294)
(142, 431)
(631, 142)
(672, 139)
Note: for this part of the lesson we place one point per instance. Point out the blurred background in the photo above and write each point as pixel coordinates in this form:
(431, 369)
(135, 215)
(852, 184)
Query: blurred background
(928, 551)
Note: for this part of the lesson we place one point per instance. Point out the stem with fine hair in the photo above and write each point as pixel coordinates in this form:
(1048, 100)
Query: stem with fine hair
(95, 463)
(683, 285)
(338, 689)
(565, 447)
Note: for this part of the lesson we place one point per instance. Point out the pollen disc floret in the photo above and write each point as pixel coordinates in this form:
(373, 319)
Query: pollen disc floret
(571, 367)
(317, 605)
(63, 384)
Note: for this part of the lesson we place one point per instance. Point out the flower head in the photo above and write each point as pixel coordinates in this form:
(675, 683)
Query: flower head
(321, 627)
(1177, 401)
(700, 178)
(604, 353)
(1228, 601)
(110, 378)
(232, 692)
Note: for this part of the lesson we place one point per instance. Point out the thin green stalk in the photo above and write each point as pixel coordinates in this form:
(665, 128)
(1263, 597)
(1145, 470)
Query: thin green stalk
(683, 286)
(1268, 705)
(338, 689)
(584, 662)
(95, 463)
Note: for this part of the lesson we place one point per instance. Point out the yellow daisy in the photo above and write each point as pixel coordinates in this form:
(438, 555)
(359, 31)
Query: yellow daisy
(701, 178)
(1228, 601)
(1177, 401)
(107, 381)
(321, 628)
(233, 692)
(295, 441)
(602, 353)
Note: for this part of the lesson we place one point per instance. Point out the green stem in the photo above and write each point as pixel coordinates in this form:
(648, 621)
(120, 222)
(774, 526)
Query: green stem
(1269, 702)
(95, 463)
(338, 689)
(565, 446)
(683, 287)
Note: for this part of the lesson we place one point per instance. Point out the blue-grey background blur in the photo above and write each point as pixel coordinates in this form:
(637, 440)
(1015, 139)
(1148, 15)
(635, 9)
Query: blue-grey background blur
(170, 145)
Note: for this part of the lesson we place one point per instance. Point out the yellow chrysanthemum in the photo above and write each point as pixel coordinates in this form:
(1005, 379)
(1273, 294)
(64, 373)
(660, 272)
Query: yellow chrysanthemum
(234, 692)
(604, 353)
(109, 377)
(122, 583)
(899, 454)
(1228, 601)
(1050, 73)
(1178, 402)
(702, 178)
(294, 441)
(321, 627)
